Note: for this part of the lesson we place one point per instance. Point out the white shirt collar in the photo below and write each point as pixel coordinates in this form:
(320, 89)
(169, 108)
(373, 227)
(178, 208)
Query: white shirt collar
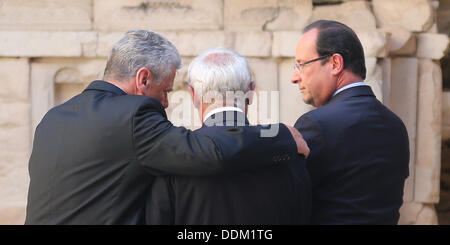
(222, 109)
(351, 85)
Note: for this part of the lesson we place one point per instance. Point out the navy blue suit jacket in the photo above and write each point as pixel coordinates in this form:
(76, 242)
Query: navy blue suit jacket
(272, 195)
(359, 159)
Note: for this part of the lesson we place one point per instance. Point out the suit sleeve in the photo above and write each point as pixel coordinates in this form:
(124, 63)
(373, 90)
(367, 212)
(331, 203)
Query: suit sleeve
(165, 149)
(315, 138)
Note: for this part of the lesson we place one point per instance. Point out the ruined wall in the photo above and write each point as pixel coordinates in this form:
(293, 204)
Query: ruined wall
(51, 49)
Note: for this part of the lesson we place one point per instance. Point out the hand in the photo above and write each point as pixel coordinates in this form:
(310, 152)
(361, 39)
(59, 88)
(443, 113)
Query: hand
(302, 146)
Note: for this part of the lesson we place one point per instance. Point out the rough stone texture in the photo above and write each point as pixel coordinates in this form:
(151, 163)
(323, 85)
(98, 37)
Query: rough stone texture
(266, 14)
(12, 214)
(374, 77)
(443, 17)
(117, 15)
(284, 43)
(45, 44)
(292, 15)
(403, 102)
(54, 15)
(446, 115)
(401, 42)
(15, 138)
(253, 43)
(432, 46)
(375, 43)
(265, 75)
(14, 79)
(386, 74)
(356, 14)
(291, 103)
(428, 154)
(188, 43)
(413, 15)
(193, 43)
(412, 213)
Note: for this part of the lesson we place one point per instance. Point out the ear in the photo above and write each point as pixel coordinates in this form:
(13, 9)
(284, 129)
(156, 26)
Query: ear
(249, 95)
(337, 63)
(143, 77)
(195, 100)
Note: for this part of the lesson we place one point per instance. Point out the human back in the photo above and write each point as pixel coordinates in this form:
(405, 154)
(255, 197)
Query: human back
(278, 194)
(358, 172)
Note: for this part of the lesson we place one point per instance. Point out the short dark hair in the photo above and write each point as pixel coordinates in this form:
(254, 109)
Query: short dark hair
(334, 37)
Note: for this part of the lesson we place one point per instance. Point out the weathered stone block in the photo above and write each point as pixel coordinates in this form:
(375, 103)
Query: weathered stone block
(253, 43)
(446, 115)
(117, 15)
(432, 46)
(291, 15)
(284, 43)
(428, 156)
(46, 15)
(401, 42)
(403, 102)
(14, 114)
(193, 43)
(386, 74)
(413, 15)
(14, 77)
(375, 43)
(291, 103)
(374, 78)
(45, 44)
(12, 215)
(413, 213)
(265, 75)
(355, 14)
(251, 15)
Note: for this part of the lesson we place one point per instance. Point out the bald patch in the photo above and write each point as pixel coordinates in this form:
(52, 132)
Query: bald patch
(219, 59)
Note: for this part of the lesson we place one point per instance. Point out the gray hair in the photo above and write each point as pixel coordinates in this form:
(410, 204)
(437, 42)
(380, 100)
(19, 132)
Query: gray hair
(141, 48)
(219, 70)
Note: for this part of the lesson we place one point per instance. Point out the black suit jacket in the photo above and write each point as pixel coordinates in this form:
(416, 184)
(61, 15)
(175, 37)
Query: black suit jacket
(95, 156)
(271, 195)
(359, 159)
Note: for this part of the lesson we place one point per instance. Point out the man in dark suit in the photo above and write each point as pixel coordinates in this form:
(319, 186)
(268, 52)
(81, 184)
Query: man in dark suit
(94, 157)
(359, 148)
(273, 195)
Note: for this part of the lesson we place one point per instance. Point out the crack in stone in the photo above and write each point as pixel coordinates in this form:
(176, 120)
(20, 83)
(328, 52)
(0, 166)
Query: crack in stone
(147, 6)
(277, 14)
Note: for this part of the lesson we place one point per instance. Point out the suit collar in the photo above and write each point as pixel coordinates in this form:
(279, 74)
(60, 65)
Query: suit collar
(352, 92)
(105, 86)
(226, 118)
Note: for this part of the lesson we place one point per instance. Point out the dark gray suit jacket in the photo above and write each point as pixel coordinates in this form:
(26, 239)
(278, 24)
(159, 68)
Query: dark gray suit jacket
(95, 156)
(271, 195)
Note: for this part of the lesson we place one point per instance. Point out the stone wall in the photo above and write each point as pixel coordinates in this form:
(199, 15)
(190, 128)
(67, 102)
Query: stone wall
(51, 49)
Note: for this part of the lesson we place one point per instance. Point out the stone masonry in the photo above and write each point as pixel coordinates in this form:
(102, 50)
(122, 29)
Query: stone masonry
(51, 49)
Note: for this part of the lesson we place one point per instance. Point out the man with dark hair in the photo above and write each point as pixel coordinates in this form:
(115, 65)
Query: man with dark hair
(359, 149)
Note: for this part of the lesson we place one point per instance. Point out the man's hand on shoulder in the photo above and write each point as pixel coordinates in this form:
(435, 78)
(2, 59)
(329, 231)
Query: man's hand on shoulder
(302, 146)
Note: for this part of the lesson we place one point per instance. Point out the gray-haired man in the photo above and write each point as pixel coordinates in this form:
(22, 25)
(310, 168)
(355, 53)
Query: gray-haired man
(95, 156)
(219, 81)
